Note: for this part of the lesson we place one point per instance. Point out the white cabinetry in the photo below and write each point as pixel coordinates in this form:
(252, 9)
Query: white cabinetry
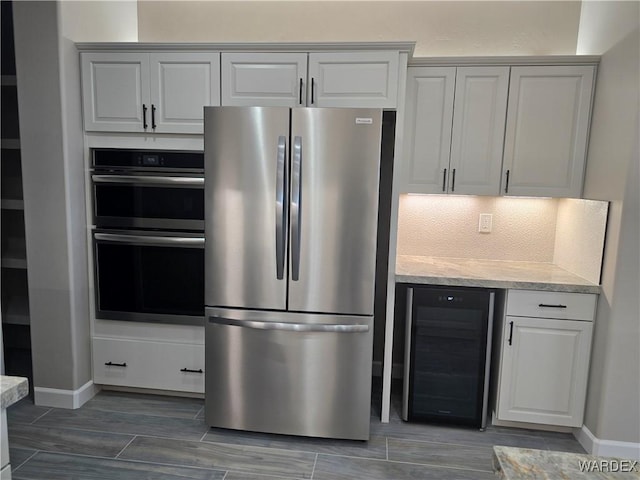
(339, 79)
(544, 364)
(455, 146)
(547, 130)
(162, 92)
(148, 364)
(264, 79)
(353, 79)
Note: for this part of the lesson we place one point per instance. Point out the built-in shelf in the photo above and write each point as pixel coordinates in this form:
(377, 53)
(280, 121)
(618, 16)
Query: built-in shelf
(14, 252)
(15, 296)
(8, 80)
(16, 310)
(14, 262)
(10, 143)
(12, 204)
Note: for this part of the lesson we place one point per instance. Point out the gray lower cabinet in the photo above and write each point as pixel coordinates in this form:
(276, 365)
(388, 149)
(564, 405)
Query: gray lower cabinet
(148, 364)
(544, 357)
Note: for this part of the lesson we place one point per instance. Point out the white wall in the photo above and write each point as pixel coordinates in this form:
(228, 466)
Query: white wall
(99, 20)
(580, 234)
(439, 27)
(613, 398)
(53, 314)
(52, 151)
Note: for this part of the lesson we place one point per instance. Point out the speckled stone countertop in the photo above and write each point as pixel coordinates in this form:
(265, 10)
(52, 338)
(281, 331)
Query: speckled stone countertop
(465, 272)
(528, 464)
(12, 389)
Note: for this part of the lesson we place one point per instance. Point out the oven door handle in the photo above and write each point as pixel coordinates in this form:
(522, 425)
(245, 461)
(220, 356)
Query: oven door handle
(148, 180)
(151, 240)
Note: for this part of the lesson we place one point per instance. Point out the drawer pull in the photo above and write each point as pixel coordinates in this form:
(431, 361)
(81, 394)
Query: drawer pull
(111, 364)
(190, 370)
(510, 332)
(546, 305)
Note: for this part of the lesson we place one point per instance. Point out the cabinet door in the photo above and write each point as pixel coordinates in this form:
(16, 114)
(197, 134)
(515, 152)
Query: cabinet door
(115, 91)
(143, 364)
(264, 79)
(353, 79)
(181, 85)
(547, 127)
(478, 130)
(544, 370)
(429, 111)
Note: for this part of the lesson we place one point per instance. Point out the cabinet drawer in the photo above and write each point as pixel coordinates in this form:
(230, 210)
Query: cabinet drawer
(157, 365)
(530, 303)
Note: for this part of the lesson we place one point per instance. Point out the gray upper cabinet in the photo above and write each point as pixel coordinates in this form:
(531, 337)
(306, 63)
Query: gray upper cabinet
(547, 130)
(264, 79)
(429, 112)
(353, 79)
(337, 79)
(160, 92)
(455, 120)
(115, 92)
(479, 115)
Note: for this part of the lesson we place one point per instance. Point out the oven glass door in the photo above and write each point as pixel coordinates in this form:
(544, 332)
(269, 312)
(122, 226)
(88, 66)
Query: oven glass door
(142, 201)
(149, 277)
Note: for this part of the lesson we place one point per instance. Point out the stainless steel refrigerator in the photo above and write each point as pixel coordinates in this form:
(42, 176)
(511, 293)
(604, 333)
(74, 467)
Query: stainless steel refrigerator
(291, 211)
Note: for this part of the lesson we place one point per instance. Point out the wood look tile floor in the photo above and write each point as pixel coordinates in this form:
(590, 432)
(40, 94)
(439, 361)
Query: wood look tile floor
(127, 436)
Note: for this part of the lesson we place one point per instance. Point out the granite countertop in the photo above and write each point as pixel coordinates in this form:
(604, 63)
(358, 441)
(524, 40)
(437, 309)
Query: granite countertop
(528, 464)
(12, 389)
(466, 272)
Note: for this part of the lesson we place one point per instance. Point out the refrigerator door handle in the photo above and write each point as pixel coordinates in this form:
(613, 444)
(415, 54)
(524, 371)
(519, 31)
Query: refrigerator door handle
(296, 193)
(290, 327)
(281, 213)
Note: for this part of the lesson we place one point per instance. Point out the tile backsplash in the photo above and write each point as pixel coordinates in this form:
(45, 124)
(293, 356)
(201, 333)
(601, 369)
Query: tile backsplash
(567, 232)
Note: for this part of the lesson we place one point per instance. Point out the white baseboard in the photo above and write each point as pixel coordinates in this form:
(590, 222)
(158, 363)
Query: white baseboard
(5, 473)
(72, 399)
(530, 426)
(397, 369)
(606, 448)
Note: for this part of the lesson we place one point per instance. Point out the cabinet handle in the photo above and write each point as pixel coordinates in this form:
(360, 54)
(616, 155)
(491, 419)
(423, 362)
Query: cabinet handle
(453, 180)
(312, 87)
(510, 332)
(190, 370)
(144, 116)
(153, 116)
(546, 305)
(444, 180)
(111, 364)
(300, 94)
(506, 187)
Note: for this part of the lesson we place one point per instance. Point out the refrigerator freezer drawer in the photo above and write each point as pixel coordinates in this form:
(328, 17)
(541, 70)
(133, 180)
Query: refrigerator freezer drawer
(296, 374)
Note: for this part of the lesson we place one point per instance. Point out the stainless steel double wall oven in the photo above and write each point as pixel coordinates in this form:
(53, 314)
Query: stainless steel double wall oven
(148, 241)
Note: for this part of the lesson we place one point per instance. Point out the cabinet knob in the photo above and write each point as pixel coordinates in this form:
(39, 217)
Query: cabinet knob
(112, 364)
(312, 88)
(300, 93)
(189, 370)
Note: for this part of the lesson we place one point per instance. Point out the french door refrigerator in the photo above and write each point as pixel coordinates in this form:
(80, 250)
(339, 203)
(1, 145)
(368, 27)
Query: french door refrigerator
(291, 206)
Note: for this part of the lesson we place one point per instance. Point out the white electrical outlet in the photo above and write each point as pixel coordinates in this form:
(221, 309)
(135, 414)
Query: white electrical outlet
(484, 225)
